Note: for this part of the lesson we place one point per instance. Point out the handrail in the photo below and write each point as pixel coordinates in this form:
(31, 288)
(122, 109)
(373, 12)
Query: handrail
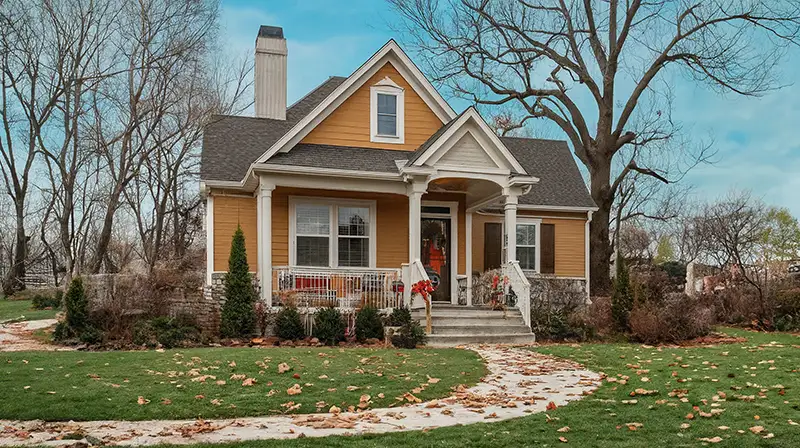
(519, 283)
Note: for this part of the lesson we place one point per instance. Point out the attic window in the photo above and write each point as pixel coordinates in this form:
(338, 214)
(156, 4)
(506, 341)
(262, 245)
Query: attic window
(387, 112)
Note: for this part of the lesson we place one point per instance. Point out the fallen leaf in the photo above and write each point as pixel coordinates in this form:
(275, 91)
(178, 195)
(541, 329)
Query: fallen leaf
(551, 406)
(564, 429)
(294, 390)
(142, 400)
(756, 429)
(283, 367)
(716, 439)
(563, 439)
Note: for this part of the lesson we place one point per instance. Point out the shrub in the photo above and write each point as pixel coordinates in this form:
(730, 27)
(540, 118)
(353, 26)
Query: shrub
(76, 322)
(47, 301)
(674, 319)
(166, 331)
(329, 326)
(410, 335)
(622, 297)
(368, 324)
(77, 306)
(263, 317)
(91, 335)
(399, 317)
(787, 309)
(557, 310)
(238, 314)
(288, 324)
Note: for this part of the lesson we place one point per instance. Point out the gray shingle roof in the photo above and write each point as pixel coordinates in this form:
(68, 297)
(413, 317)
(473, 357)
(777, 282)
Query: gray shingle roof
(560, 182)
(232, 143)
(341, 157)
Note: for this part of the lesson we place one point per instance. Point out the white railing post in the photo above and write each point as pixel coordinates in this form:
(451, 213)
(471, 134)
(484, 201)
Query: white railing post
(522, 288)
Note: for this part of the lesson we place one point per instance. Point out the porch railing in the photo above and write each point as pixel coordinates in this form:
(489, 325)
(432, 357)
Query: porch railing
(338, 287)
(519, 286)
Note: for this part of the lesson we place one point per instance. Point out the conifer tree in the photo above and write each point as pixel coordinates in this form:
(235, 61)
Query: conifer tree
(238, 313)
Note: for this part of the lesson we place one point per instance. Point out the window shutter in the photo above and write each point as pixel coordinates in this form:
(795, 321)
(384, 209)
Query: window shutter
(548, 250)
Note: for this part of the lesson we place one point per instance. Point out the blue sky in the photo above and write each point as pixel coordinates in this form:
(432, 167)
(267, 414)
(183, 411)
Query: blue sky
(757, 139)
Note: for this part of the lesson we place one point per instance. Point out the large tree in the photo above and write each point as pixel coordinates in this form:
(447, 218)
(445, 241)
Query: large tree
(596, 68)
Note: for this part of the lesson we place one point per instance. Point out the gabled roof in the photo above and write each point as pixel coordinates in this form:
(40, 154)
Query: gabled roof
(390, 52)
(232, 143)
(428, 149)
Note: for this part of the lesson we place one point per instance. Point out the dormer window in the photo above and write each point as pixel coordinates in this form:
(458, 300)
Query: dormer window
(386, 112)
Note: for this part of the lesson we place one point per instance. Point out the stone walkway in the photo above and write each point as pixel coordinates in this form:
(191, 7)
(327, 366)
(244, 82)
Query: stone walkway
(18, 336)
(520, 382)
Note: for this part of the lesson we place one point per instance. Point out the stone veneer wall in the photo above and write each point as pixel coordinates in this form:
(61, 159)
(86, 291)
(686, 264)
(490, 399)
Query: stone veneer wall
(202, 303)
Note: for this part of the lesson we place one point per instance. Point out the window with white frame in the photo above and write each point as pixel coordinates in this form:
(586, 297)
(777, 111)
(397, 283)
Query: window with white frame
(329, 234)
(387, 112)
(526, 246)
(527, 253)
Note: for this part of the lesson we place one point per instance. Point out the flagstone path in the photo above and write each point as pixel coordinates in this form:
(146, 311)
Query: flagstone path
(520, 382)
(18, 336)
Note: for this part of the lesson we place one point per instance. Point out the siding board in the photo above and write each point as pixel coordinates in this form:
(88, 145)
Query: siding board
(230, 212)
(349, 124)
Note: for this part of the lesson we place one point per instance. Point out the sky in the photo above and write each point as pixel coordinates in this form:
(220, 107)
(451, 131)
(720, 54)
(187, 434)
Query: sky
(756, 139)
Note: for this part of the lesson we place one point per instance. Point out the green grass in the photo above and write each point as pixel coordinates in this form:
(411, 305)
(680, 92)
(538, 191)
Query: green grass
(600, 420)
(107, 385)
(13, 309)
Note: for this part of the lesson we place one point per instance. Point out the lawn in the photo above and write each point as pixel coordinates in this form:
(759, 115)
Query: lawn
(13, 309)
(760, 380)
(220, 382)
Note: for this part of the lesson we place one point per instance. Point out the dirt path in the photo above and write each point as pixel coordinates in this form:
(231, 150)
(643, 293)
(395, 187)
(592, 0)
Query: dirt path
(519, 382)
(18, 336)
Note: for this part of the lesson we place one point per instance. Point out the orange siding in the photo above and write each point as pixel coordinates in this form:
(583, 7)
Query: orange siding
(462, 223)
(230, 212)
(570, 240)
(349, 124)
(392, 223)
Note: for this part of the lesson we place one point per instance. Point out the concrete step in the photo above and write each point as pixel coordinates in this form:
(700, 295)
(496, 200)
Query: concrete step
(474, 321)
(459, 313)
(455, 329)
(452, 340)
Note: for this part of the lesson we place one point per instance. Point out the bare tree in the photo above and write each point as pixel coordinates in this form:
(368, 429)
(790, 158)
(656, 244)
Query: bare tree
(27, 101)
(158, 40)
(733, 231)
(587, 66)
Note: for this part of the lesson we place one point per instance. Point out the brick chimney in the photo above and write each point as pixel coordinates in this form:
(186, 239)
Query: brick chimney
(270, 73)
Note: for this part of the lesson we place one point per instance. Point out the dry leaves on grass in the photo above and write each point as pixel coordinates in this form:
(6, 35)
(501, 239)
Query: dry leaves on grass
(294, 390)
(716, 439)
(283, 367)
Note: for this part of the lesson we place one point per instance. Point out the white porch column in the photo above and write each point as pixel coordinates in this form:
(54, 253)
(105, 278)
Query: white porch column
(209, 238)
(415, 192)
(468, 255)
(510, 208)
(265, 239)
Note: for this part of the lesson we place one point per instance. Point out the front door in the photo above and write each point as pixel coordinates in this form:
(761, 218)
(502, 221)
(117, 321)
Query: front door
(436, 255)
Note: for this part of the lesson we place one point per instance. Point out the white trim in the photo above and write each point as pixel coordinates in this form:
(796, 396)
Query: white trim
(587, 253)
(339, 183)
(391, 50)
(209, 239)
(471, 114)
(265, 238)
(333, 234)
(321, 171)
(557, 208)
(468, 236)
(453, 215)
(387, 88)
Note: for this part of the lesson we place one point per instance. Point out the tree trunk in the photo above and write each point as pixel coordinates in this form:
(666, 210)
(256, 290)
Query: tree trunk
(599, 242)
(104, 239)
(14, 281)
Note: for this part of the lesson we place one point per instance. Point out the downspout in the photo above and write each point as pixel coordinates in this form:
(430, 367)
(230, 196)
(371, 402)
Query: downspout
(587, 256)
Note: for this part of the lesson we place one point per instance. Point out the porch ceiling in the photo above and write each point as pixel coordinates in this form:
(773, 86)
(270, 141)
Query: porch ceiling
(476, 190)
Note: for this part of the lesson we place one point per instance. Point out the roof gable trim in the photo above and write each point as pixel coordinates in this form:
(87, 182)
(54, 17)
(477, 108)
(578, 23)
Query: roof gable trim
(501, 155)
